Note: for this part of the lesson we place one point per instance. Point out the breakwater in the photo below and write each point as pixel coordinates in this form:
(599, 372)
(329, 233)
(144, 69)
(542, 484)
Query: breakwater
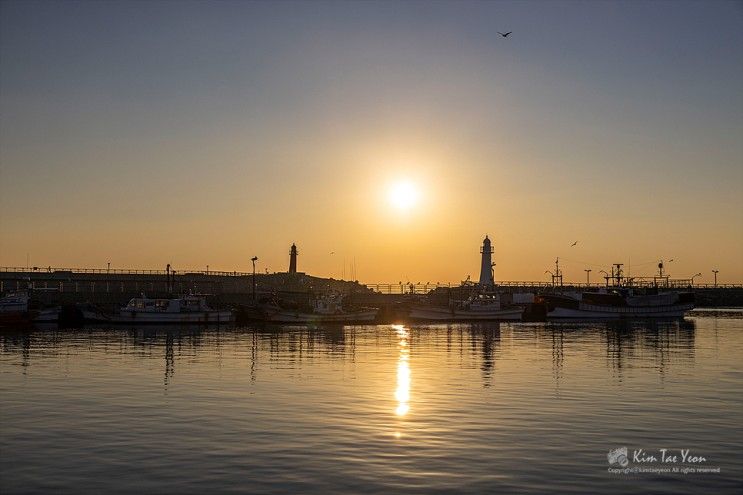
(116, 287)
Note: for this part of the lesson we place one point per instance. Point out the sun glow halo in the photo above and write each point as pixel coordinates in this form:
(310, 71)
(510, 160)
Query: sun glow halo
(403, 195)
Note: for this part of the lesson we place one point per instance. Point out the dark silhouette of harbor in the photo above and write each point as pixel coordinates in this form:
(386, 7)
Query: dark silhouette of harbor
(115, 288)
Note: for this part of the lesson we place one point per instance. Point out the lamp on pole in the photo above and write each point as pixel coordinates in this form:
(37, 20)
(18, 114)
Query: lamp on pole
(695, 275)
(254, 259)
(588, 276)
(715, 272)
(606, 276)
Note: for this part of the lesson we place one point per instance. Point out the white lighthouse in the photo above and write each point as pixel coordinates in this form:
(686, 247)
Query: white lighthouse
(486, 268)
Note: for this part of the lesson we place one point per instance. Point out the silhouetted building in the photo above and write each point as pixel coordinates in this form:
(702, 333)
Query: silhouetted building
(486, 269)
(293, 259)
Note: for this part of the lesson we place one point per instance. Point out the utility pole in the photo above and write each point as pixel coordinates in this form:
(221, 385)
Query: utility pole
(715, 272)
(588, 276)
(254, 259)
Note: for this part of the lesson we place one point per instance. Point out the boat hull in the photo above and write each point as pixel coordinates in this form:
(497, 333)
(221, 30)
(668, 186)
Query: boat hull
(298, 317)
(426, 313)
(591, 311)
(92, 316)
(50, 315)
(164, 318)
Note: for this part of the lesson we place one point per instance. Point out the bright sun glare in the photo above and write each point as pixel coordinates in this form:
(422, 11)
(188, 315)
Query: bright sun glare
(403, 195)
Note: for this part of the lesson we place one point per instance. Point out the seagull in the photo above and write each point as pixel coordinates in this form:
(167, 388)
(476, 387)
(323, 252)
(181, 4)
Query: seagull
(573, 244)
(505, 35)
(332, 252)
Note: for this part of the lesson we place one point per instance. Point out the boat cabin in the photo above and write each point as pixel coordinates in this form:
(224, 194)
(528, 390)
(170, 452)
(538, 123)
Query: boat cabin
(181, 305)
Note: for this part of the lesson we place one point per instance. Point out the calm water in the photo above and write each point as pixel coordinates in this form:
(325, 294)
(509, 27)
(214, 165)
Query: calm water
(515, 408)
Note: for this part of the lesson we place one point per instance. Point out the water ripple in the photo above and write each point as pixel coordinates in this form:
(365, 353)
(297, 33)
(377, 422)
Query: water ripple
(519, 408)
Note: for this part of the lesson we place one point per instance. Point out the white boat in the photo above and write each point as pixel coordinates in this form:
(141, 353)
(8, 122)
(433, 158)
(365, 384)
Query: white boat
(14, 309)
(186, 309)
(14, 302)
(18, 307)
(476, 307)
(326, 309)
(619, 302)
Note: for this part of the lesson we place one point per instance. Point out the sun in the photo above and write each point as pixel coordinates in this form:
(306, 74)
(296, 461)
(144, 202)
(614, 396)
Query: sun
(403, 195)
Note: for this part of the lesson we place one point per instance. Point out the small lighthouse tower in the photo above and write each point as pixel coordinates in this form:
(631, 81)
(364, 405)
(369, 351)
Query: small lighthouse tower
(293, 259)
(486, 273)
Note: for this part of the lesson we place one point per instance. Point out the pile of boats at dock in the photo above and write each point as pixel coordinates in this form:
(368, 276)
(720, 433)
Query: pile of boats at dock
(20, 308)
(466, 303)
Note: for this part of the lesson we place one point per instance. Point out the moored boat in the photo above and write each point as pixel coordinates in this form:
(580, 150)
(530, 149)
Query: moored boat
(186, 309)
(14, 309)
(618, 302)
(479, 306)
(325, 309)
(90, 313)
(22, 308)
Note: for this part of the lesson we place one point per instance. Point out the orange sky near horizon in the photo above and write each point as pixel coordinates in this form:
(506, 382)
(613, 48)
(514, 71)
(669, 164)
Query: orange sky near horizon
(346, 216)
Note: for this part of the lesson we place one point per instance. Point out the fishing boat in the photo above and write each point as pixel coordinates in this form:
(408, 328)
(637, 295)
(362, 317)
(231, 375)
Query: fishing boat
(14, 309)
(91, 313)
(325, 309)
(14, 302)
(47, 315)
(186, 309)
(21, 308)
(618, 302)
(478, 306)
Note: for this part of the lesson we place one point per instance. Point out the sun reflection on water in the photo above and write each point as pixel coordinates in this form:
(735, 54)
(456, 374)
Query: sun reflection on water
(402, 393)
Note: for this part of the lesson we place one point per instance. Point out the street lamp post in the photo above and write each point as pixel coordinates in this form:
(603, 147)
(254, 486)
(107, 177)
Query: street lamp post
(606, 276)
(695, 275)
(588, 276)
(254, 259)
(715, 272)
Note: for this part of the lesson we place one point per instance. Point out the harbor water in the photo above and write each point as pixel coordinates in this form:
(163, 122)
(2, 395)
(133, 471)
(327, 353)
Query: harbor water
(510, 407)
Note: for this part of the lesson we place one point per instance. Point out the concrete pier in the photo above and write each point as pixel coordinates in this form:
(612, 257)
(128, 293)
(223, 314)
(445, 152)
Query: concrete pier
(116, 287)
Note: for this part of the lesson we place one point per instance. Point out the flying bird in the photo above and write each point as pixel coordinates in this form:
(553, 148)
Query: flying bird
(505, 35)
(573, 244)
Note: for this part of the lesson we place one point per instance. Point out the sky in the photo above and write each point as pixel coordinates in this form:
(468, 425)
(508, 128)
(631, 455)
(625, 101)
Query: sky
(206, 133)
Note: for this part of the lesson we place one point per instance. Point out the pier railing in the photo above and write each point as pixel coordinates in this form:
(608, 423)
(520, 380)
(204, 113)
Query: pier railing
(39, 272)
(410, 288)
(119, 271)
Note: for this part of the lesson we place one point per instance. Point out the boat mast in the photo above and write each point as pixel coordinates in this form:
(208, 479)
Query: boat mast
(616, 273)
